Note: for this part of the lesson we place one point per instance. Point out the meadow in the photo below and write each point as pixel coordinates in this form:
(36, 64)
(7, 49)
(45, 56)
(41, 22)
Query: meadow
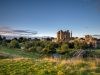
(49, 66)
(13, 53)
(23, 63)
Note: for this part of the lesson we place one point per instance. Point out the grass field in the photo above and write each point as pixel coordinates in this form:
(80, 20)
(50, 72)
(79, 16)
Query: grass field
(18, 53)
(32, 64)
(48, 66)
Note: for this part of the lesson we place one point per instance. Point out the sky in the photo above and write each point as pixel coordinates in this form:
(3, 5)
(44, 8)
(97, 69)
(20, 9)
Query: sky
(46, 17)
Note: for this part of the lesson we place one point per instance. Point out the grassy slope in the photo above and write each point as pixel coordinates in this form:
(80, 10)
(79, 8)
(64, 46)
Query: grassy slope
(18, 53)
(48, 67)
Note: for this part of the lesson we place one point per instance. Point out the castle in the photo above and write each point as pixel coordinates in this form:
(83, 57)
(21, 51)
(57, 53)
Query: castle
(64, 36)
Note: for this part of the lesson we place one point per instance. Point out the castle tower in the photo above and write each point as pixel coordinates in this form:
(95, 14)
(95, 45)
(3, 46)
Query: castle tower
(61, 35)
(64, 36)
(71, 34)
(58, 36)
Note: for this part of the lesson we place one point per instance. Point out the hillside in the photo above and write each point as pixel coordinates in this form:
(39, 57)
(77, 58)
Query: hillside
(48, 66)
(22, 63)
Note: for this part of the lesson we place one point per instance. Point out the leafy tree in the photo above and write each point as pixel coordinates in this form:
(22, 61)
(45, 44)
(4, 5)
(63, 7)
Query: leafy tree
(46, 49)
(4, 43)
(21, 39)
(64, 46)
(32, 49)
(14, 44)
(50, 47)
(63, 49)
(76, 44)
(27, 44)
(83, 45)
(39, 49)
(0, 40)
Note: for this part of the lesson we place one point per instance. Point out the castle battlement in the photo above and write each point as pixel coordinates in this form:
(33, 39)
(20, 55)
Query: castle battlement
(64, 36)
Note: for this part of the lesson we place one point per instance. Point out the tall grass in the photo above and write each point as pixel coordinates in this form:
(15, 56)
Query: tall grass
(49, 66)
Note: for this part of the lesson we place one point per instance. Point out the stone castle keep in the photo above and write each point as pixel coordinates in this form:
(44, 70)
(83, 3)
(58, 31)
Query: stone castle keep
(64, 36)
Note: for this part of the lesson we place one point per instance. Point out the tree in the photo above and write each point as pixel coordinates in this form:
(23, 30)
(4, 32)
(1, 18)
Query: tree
(14, 44)
(39, 49)
(0, 40)
(46, 49)
(32, 49)
(21, 39)
(71, 45)
(76, 44)
(4, 43)
(27, 44)
(63, 49)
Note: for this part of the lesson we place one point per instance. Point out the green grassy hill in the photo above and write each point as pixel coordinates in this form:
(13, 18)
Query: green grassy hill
(18, 53)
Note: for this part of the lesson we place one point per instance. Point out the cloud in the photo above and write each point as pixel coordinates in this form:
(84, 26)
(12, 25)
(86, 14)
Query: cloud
(25, 31)
(5, 30)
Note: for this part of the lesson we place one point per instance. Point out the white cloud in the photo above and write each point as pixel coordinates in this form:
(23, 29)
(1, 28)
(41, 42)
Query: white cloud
(5, 30)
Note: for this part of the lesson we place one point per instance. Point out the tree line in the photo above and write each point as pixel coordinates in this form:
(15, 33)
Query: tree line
(43, 46)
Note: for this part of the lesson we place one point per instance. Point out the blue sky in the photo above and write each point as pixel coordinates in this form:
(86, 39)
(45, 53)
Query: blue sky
(48, 16)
